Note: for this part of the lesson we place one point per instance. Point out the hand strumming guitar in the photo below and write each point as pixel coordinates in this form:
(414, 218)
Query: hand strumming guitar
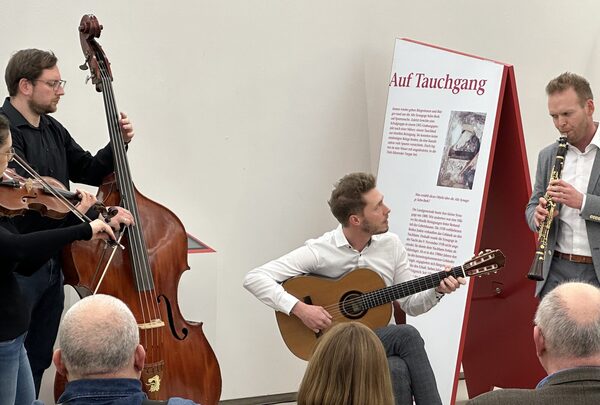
(313, 316)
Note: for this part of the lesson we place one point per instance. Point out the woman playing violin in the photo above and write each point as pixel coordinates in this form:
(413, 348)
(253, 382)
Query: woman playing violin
(23, 254)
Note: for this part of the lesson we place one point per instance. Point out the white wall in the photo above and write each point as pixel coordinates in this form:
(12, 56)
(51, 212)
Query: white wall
(247, 111)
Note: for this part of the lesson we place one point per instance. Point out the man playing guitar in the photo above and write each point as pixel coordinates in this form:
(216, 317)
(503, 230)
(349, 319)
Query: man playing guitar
(361, 240)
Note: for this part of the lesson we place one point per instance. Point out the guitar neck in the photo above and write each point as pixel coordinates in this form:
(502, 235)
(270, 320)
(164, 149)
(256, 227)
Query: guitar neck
(394, 292)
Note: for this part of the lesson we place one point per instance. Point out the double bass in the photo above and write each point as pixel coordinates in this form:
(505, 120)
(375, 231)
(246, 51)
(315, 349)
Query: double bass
(145, 275)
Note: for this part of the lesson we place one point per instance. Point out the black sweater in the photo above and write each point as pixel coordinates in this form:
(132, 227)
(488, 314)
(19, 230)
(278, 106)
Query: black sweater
(24, 254)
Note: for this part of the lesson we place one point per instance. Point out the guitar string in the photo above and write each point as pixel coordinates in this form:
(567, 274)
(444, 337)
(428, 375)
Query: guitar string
(387, 294)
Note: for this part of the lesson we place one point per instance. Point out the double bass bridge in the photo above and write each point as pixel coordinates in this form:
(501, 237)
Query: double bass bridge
(153, 324)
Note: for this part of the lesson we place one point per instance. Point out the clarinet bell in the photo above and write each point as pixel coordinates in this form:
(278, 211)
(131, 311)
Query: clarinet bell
(537, 267)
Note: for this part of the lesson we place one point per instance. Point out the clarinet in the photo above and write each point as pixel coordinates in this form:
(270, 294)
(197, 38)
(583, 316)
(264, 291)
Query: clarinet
(537, 267)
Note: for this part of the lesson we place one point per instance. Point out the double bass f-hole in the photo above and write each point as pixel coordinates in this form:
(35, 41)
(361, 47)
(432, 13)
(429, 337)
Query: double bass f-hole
(174, 331)
(179, 360)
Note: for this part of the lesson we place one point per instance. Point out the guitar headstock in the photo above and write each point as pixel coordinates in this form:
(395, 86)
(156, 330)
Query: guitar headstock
(488, 261)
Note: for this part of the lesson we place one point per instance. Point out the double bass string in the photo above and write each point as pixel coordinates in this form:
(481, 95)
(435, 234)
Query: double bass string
(140, 267)
(142, 271)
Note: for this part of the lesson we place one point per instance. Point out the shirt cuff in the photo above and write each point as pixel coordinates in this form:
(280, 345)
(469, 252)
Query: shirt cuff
(287, 303)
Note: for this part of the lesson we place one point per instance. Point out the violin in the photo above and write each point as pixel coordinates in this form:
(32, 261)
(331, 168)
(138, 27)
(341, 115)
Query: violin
(18, 195)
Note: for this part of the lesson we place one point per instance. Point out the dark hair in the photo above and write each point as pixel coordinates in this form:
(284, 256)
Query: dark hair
(4, 129)
(347, 196)
(27, 64)
(571, 80)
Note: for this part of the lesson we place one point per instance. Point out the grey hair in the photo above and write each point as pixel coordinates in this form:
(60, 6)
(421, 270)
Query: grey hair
(567, 335)
(98, 335)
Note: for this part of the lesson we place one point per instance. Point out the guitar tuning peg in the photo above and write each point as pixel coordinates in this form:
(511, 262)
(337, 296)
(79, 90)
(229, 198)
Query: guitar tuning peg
(87, 79)
(84, 66)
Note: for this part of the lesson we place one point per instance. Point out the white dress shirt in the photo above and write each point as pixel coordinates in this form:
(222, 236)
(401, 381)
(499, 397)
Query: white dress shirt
(332, 256)
(573, 237)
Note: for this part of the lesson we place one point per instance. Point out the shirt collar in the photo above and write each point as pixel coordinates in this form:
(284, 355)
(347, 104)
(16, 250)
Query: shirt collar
(16, 118)
(545, 381)
(89, 388)
(340, 238)
(596, 139)
(341, 241)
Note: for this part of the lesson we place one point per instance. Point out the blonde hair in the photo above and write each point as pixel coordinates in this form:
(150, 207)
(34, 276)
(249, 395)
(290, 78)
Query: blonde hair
(348, 367)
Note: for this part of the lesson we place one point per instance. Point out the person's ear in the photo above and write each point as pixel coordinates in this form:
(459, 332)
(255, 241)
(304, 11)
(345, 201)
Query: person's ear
(354, 220)
(139, 358)
(25, 86)
(59, 364)
(540, 342)
(590, 107)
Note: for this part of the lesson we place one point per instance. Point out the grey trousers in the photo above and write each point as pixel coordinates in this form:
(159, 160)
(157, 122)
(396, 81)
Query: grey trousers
(563, 270)
(410, 369)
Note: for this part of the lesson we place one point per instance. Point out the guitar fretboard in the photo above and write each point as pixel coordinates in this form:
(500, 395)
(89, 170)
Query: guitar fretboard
(388, 294)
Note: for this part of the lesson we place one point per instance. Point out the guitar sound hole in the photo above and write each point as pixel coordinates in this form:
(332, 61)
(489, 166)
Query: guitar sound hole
(351, 305)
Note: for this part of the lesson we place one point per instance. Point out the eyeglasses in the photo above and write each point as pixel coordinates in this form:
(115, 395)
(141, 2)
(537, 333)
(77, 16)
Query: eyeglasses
(10, 155)
(55, 84)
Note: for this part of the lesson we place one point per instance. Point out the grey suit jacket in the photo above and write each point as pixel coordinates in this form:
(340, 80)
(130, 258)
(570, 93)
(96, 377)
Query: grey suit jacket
(575, 386)
(590, 212)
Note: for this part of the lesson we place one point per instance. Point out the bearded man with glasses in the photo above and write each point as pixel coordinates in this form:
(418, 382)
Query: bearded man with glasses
(35, 87)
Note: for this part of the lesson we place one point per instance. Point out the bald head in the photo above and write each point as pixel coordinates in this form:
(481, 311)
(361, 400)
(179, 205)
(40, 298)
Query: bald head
(569, 320)
(98, 336)
(581, 301)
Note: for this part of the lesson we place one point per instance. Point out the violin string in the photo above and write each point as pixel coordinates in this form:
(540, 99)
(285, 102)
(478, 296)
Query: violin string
(62, 199)
(142, 269)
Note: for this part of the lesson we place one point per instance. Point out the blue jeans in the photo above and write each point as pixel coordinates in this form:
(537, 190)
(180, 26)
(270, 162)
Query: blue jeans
(44, 293)
(411, 372)
(16, 382)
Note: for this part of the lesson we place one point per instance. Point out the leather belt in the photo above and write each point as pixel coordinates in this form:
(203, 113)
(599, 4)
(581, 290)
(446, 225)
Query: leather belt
(574, 258)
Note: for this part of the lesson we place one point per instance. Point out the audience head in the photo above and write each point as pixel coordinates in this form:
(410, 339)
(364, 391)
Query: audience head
(348, 367)
(347, 196)
(27, 64)
(567, 327)
(99, 338)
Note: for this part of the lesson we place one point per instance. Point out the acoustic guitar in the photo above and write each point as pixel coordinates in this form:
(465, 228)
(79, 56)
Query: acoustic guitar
(361, 295)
